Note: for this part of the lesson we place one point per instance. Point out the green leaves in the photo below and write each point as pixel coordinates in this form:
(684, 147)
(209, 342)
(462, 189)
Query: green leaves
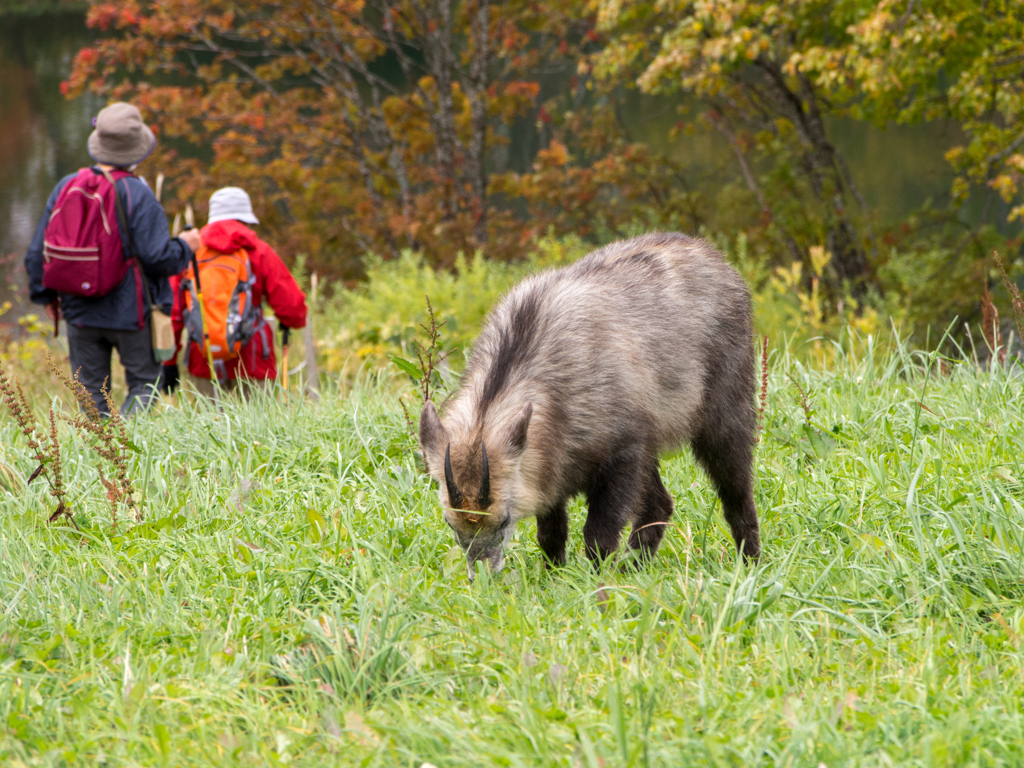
(806, 439)
(317, 525)
(409, 367)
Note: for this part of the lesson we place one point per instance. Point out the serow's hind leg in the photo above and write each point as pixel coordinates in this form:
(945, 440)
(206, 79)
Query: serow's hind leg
(727, 456)
(552, 534)
(649, 526)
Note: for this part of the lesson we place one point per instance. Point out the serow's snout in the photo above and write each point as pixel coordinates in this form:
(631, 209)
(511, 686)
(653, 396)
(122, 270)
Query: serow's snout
(489, 549)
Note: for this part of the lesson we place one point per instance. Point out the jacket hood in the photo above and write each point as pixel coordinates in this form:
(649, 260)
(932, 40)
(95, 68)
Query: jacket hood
(228, 236)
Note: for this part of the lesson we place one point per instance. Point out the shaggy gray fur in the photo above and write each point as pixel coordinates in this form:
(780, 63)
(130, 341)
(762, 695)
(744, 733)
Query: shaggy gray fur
(580, 379)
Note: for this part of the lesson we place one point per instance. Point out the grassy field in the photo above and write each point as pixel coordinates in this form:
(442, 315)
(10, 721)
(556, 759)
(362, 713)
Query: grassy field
(293, 597)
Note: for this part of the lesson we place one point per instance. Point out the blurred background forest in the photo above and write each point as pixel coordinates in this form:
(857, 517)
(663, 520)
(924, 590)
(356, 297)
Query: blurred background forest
(860, 161)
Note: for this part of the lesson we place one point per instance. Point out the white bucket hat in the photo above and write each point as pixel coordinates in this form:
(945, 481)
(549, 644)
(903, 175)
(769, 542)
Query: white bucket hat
(121, 138)
(231, 203)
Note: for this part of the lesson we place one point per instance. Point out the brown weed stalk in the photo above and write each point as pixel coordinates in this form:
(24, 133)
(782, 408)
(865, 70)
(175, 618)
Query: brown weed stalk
(43, 444)
(762, 398)
(802, 400)
(990, 327)
(110, 440)
(409, 423)
(116, 450)
(55, 475)
(431, 356)
(1015, 299)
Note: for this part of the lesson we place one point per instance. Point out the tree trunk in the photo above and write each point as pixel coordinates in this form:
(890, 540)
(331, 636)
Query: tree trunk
(824, 170)
(439, 52)
(476, 89)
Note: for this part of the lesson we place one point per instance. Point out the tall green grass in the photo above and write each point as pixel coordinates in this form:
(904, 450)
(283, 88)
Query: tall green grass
(293, 597)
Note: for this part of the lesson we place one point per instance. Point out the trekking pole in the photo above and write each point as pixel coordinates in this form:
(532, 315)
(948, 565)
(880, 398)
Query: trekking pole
(285, 332)
(202, 314)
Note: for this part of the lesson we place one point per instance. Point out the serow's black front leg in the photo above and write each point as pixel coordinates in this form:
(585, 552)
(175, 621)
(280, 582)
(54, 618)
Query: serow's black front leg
(553, 533)
(614, 495)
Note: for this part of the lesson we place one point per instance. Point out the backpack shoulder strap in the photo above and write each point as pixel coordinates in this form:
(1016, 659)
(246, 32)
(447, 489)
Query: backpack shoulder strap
(123, 222)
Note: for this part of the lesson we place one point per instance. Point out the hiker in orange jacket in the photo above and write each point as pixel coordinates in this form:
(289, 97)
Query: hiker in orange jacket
(226, 232)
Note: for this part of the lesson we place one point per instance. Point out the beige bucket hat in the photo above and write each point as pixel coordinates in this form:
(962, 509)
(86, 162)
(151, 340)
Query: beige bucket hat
(231, 203)
(120, 138)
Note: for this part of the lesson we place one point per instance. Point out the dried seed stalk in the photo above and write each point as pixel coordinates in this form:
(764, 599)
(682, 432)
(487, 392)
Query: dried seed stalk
(55, 474)
(990, 327)
(1015, 299)
(410, 425)
(14, 399)
(763, 394)
(110, 440)
(45, 447)
(429, 357)
(802, 399)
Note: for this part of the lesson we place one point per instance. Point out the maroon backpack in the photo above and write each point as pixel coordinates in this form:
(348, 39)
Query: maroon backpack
(82, 249)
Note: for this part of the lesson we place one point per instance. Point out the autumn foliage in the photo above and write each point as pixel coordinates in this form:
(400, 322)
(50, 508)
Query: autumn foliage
(359, 125)
(447, 126)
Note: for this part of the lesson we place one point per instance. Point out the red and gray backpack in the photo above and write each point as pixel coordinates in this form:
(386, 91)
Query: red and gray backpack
(82, 249)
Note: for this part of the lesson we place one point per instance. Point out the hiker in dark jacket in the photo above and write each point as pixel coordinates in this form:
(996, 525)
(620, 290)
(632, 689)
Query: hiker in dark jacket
(119, 319)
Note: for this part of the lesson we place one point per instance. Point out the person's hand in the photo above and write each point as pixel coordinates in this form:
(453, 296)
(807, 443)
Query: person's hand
(192, 239)
(53, 311)
(169, 378)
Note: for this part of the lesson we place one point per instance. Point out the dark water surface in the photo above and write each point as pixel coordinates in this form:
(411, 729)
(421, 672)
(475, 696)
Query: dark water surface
(43, 135)
(897, 169)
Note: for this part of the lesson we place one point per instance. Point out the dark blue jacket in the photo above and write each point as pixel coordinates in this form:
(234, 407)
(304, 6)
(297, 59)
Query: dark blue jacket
(161, 257)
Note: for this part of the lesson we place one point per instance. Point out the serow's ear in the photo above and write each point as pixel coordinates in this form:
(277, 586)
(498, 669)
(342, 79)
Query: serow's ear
(515, 437)
(433, 436)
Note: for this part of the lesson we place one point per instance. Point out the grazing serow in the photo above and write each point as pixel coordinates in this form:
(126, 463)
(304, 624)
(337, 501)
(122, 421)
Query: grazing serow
(580, 379)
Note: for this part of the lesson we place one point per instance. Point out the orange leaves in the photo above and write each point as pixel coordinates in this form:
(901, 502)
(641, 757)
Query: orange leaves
(510, 37)
(350, 132)
(113, 15)
(84, 70)
(87, 57)
(102, 16)
(511, 99)
(553, 156)
(526, 89)
(350, 8)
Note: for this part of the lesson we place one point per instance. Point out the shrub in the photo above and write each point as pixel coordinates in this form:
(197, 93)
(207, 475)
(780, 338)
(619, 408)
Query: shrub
(25, 347)
(384, 315)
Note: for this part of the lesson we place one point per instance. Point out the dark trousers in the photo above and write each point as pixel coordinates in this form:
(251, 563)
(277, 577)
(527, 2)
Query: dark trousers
(90, 350)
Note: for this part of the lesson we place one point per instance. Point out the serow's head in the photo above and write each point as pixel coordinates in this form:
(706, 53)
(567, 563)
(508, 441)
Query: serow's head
(478, 483)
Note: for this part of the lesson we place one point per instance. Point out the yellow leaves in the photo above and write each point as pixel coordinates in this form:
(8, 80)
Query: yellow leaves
(867, 323)
(819, 259)
(554, 155)
(787, 278)
(874, 30)
(351, 8)
(608, 13)
(960, 188)
(1007, 185)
